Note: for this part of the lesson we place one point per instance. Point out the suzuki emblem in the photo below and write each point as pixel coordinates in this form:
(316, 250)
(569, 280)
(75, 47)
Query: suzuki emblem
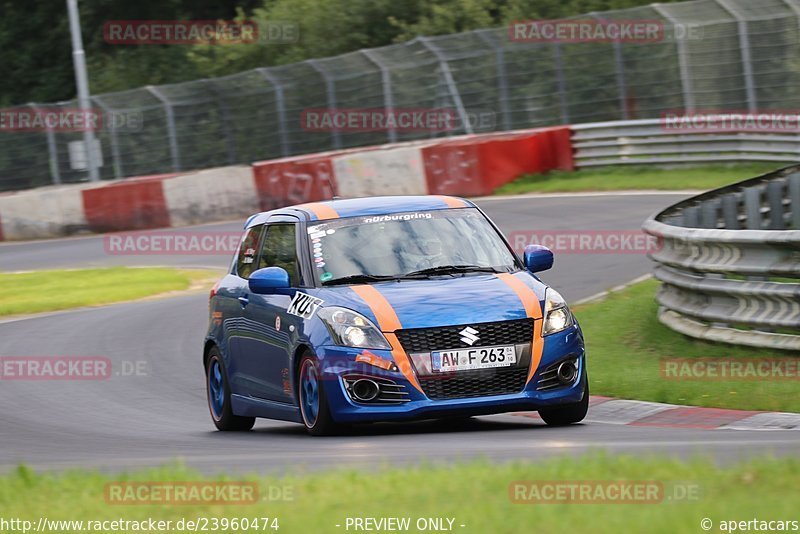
(469, 336)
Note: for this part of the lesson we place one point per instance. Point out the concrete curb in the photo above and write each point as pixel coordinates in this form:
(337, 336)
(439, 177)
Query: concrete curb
(641, 413)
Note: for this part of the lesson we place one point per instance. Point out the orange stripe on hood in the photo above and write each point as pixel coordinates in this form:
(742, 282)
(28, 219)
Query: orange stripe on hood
(388, 323)
(321, 210)
(533, 309)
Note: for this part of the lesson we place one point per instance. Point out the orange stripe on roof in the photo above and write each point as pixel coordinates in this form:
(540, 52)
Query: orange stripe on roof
(452, 202)
(321, 210)
(388, 323)
(533, 309)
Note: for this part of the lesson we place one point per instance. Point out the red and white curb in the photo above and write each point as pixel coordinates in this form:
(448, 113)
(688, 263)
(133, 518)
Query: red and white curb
(641, 413)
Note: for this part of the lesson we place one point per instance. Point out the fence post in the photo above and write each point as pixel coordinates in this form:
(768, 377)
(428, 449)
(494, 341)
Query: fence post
(744, 47)
(562, 83)
(451, 84)
(52, 150)
(113, 135)
(230, 143)
(280, 107)
(620, 69)
(502, 82)
(388, 97)
(331, 92)
(683, 60)
(173, 141)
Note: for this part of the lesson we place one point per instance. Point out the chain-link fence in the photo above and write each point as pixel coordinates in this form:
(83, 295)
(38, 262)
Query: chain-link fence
(714, 55)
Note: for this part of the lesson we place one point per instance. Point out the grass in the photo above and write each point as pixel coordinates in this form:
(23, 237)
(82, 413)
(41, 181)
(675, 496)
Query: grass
(475, 494)
(625, 344)
(618, 178)
(43, 291)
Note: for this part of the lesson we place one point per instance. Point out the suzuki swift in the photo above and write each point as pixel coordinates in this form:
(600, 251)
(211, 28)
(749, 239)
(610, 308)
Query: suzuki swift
(388, 309)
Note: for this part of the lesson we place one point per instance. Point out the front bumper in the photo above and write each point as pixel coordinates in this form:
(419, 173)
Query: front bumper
(338, 362)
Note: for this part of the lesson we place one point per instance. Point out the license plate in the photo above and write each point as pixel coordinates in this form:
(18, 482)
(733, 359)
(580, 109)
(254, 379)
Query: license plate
(478, 358)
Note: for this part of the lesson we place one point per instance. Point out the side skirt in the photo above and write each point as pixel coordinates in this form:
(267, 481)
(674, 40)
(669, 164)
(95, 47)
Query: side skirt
(250, 407)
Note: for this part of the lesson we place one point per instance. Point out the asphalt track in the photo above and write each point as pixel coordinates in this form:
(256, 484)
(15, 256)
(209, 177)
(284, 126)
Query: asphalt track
(159, 413)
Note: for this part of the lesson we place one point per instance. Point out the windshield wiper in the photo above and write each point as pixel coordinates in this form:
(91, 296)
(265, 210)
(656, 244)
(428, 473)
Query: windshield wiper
(451, 269)
(359, 278)
(363, 278)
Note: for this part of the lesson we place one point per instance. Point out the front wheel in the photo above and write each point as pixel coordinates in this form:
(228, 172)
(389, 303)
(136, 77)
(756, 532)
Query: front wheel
(568, 413)
(313, 402)
(219, 397)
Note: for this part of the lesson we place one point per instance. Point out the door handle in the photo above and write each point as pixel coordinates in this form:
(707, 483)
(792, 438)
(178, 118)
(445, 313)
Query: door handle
(244, 301)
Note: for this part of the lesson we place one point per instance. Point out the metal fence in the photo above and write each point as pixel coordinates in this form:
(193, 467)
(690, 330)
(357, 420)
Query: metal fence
(729, 263)
(715, 54)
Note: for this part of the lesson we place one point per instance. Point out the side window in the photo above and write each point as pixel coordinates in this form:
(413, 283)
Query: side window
(280, 250)
(245, 262)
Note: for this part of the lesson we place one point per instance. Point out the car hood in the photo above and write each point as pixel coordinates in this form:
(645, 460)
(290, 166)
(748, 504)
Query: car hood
(440, 301)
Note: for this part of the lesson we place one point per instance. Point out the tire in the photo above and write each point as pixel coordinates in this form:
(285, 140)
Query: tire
(219, 397)
(568, 413)
(313, 402)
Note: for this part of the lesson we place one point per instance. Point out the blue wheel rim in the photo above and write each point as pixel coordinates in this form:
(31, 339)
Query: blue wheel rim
(216, 389)
(309, 393)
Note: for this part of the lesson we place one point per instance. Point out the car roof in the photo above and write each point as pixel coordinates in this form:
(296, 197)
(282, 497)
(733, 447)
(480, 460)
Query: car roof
(362, 207)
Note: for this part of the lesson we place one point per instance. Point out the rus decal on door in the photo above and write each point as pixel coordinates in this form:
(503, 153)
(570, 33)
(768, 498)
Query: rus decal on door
(304, 305)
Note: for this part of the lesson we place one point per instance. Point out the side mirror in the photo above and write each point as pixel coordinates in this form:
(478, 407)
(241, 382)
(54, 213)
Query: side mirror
(537, 258)
(267, 280)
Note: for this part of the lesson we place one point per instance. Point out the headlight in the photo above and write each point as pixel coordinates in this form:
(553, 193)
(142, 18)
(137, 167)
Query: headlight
(352, 329)
(557, 316)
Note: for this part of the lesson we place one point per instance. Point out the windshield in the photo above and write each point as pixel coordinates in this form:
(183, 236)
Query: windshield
(413, 244)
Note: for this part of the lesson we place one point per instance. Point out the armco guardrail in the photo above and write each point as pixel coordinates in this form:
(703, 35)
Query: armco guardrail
(654, 141)
(729, 262)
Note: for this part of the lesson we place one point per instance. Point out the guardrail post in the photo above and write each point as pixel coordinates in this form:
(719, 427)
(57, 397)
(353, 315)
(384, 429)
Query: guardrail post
(280, 108)
(230, 144)
(173, 140)
(52, 151)
(794, 199)
(730, 211)
(752, 208)
(775, 199)
(115, 156)
(709, 214)
(744, 46)
(388, 97)
(683, 60)
(502, 82)
(331, 95)
(691, 217)
(451, 83)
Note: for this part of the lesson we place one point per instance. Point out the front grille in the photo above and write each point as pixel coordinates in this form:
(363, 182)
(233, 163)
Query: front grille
(479, 383)
(416, 340)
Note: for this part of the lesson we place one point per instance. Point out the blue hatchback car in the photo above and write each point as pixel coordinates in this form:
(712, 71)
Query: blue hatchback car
(388, 309)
